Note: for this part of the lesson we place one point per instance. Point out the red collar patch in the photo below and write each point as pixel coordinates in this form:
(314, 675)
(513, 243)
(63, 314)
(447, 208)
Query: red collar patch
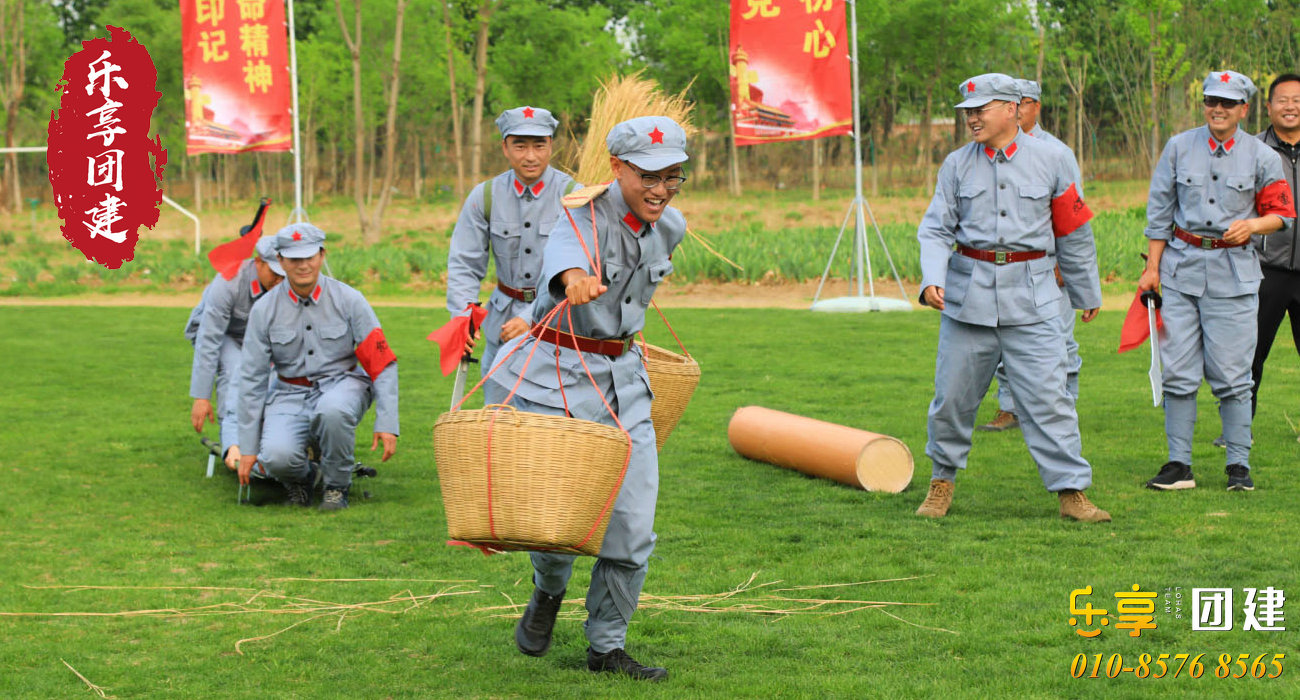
(656, 136)
(1227, 145)
(632, 223)
(528, 112)
(519, 187)
(256, 288)
(536, 187)
(315, 293)
(1007, 152)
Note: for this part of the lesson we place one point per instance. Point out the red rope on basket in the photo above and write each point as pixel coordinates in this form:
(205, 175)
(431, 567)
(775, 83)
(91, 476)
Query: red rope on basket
(670, 328)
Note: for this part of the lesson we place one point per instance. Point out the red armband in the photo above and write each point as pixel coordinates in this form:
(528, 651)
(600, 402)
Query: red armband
(1275, 199)
(1069, 212)
(374, 354)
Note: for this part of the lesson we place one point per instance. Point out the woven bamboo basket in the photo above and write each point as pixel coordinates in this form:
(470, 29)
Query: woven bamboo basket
(551, 481)
(673, 379)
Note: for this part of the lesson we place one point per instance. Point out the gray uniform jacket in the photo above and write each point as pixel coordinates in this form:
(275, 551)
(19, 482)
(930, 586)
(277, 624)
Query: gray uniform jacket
(1279, 249)
(222, 311)
(522, 218)
(1002, 201)
(634, 260)
(314, 337)
(1202, 186)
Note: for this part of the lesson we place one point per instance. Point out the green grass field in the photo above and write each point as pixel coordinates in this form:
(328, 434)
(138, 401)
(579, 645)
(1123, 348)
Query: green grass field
(105, 515)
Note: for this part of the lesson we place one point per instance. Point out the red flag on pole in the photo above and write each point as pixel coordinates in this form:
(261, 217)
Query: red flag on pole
(1137, 327)
(227, 257)
(235, 56)
(451, 337)
(789, 70)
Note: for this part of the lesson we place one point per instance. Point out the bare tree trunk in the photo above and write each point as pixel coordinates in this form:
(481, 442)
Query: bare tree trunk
(198, 189)
(390, 133)
(1155, 90)
(458, 138)
(309, 168)
(353, 42)
(417, 174)
(735, 157)
(702, 157)
(480, 80)
(816, 170)
(334, 164)
(1042, 52)
(13, 55)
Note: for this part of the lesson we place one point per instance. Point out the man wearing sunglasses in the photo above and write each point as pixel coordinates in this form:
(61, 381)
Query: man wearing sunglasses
(1005, 419)
(1006, 210)
(605, 262)
(507, 219)
(1213, 188)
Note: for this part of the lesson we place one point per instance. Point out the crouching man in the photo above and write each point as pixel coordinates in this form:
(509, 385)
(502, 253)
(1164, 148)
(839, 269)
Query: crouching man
(324, 342)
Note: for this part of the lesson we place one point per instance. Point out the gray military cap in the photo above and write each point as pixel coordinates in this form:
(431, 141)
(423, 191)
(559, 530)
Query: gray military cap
(526, 121)
(266, 250)
(1030, 89)
(983, 89)
(300, 240)
(1229, 84)
(650, 143)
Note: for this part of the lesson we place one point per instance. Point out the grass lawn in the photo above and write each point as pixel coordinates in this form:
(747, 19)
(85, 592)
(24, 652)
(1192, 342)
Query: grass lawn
(105, 511)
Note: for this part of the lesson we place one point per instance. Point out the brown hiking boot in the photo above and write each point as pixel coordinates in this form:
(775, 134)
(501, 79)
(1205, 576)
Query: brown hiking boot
(1076, 506)
(938, 501)
(1004, 420)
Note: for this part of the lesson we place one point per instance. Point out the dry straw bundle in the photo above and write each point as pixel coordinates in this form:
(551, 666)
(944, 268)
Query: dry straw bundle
(619, 99)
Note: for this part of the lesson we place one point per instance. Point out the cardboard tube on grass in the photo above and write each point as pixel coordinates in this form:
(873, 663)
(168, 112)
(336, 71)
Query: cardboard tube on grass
(850, 456)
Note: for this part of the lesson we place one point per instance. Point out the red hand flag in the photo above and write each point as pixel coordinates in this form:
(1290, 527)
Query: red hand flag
(227, 257)
(1136, 326)
(453, 335)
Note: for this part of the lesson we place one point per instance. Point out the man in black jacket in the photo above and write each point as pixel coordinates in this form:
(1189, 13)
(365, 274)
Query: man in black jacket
(1279, 253)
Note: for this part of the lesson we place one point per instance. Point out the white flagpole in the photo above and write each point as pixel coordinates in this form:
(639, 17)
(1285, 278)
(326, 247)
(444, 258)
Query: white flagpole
(298, 213)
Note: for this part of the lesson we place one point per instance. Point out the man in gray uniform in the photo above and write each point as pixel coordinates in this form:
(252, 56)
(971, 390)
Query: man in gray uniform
(1010, 204)
(1279, 253)
(508, 218)
(324, 342)
(608, 300)
(1213, 188)
(1005, 419)
(216, 329)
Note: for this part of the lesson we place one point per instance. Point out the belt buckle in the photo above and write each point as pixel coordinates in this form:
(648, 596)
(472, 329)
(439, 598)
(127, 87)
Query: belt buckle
(529, 295)
(999, 257)
(1207, 243)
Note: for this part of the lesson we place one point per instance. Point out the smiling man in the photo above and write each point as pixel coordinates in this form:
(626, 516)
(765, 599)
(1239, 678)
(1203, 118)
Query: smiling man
(1279, 253)
(1213, 188)
(324, 343)
(1006, 211)
(507, 219)
(632, 228)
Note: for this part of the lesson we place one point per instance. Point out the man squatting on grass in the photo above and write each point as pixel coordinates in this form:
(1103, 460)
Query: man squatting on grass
(324, 342)
(1213, 188)
(637, 233)
(1011, 205)
(508, 218)
(216, 329)
(1005, 419)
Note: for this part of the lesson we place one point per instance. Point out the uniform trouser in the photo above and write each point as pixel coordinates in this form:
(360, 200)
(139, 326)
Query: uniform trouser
(228, 361)
(1034, 355)
(1209, 338)
(620, 569)
(1073, 362)
(1279, 295)
(492, 391)
(325, 415)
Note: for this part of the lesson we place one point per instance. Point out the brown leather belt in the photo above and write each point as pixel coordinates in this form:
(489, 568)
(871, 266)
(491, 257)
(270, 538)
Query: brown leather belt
(1001, 257)
(524, 295)
(1205, 242)
(612, 347)
(300, 381)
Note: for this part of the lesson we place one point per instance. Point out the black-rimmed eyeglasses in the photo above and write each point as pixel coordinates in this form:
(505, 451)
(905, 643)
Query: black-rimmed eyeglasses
(651, 181)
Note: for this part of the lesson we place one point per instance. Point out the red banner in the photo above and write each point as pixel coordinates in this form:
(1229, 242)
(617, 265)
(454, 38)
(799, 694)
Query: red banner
(789, 70)
(236, 76)
(105, 169)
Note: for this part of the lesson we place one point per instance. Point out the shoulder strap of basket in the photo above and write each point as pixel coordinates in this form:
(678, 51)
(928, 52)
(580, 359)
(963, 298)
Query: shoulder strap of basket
(670, 329)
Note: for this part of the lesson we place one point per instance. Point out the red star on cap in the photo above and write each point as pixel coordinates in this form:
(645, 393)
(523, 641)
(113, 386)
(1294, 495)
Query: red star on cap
(1225, 78)
(970, 86)
(297, 236)
(528, 112)
(656, 136)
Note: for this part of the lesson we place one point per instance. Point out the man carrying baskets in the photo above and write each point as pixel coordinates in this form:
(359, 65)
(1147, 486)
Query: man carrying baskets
(586, 366)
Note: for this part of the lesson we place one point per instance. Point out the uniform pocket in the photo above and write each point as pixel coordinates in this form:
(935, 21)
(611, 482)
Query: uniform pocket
(1239, 197)
(960, 269)
(1190, 189)
(335, 340)
(657, 273)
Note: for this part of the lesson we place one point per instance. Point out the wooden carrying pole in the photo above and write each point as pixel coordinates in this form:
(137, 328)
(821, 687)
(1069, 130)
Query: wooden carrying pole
(850, 456)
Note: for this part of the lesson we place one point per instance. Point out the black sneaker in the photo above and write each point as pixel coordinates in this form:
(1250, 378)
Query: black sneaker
(334, 499)
(617, 661)
(1173, 476)
(1239, 478)
(299, 494)
(533, 631)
